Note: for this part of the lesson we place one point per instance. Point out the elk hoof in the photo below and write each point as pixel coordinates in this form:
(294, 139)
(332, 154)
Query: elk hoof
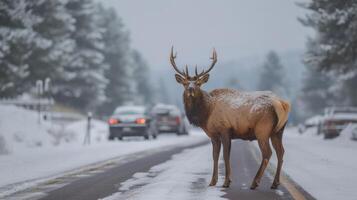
(254, 185)
(213, 183)
(274, 186)
(226, 184)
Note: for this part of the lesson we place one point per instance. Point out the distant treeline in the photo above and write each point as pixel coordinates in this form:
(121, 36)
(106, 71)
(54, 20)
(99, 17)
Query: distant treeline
(81, 46)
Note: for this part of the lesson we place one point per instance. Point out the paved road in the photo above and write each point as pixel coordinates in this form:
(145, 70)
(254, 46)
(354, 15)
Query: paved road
(106, 183)
(244, 168)
(106, 180)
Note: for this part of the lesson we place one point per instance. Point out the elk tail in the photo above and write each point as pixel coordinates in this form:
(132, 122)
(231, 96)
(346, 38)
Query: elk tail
(282, 109)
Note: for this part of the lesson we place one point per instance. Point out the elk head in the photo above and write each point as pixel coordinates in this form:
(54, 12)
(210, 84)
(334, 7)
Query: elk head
(192, 84)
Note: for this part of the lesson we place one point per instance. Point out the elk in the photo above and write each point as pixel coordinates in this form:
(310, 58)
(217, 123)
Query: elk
(226, 114)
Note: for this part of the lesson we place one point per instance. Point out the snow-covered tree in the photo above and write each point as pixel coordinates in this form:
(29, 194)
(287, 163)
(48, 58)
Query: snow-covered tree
(272, 75)
(333, 49)
(55, 25)
(117, 57)
(83, 80)
(17, 42)
(335, 23)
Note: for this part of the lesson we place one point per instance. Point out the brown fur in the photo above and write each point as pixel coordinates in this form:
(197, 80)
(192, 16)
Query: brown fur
(226, 114)
(222, 123)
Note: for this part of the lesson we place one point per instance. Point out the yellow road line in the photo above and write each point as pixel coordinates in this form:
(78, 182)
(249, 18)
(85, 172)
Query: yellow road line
(284, 180)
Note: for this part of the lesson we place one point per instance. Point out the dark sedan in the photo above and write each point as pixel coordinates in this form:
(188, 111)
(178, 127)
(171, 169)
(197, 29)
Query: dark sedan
(128, 121)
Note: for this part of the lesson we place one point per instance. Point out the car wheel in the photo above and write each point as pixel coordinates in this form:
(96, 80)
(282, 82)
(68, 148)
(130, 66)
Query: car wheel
(146, 137)
(110, 137)
(154, 136)
(120, 138)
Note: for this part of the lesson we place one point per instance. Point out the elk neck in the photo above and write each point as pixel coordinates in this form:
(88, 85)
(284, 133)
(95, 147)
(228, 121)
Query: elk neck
(197, 108)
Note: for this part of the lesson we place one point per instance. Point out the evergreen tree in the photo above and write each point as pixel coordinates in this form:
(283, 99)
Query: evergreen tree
(83, 80)
(17, 42)
(335, 23)
(116, 56)
(334, 48)
(56, 26)
(271, 77)
(141, 76)
(315, 92)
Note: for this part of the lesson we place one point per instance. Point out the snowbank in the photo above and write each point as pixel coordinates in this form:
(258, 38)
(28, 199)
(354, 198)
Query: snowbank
(325, 168)
(19, 129)
(98, 131)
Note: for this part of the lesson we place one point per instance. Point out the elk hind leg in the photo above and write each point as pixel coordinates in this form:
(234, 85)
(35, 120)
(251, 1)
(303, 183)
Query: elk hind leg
(266, 154)
(276, 140)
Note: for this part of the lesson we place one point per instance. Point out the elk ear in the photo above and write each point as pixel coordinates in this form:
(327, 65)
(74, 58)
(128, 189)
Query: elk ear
(179, 78)
(204, 78)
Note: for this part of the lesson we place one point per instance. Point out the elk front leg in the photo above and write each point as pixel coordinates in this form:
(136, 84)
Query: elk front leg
(226, 140)
(216, 148)
(266, 154)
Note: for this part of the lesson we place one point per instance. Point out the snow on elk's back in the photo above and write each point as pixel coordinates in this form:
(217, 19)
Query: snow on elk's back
(258, 100)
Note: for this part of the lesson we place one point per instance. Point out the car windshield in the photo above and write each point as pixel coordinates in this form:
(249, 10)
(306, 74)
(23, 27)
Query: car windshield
(166, 110)
(129, 110)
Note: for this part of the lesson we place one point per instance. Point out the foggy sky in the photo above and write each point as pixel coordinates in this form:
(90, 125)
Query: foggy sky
(236, 28)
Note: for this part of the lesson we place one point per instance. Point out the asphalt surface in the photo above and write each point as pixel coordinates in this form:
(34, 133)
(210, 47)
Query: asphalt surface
(106, 181)
(244, 168)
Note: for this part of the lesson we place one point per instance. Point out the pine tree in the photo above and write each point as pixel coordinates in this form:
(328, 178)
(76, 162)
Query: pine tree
(271, 77)
(55, 25)
(17, 42)
(334, 48)
(116, 56)
(83, 81)
(335, 23)
(315, 92)
(141, 76)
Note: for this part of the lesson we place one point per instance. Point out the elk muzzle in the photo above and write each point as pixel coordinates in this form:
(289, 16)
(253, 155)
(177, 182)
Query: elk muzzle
(190, 92)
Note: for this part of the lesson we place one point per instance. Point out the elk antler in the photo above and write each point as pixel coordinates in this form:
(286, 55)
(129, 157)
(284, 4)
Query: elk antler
(214, 60)
(172, 60)
(185, 73)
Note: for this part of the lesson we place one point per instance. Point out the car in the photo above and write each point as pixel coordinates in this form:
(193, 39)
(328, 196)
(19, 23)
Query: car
(336, 119)
(127, 121)
(311, 122)
(168, 119)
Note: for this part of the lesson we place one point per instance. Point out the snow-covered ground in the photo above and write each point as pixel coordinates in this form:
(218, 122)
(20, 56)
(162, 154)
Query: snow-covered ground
(33, 153)
(174, 179)
(327, 169)
(324, 168)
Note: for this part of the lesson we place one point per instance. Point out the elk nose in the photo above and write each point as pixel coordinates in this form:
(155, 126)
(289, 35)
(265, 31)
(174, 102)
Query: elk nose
(191, 91)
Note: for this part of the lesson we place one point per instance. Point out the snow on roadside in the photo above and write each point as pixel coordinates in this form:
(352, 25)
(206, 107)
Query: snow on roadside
(327, 169)
(185, 176)
(98, 131)
(19, 129)
(43, 162)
